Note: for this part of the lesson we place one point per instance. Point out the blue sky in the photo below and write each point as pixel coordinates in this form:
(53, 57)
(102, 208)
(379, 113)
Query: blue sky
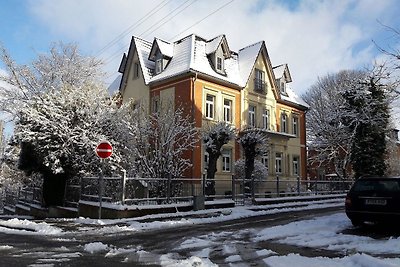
(313, 37)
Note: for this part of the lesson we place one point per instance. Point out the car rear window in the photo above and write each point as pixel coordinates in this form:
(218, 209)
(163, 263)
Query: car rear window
(376, 186)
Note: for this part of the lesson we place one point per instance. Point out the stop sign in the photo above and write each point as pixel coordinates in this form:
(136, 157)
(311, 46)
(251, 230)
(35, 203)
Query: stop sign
(104, 149)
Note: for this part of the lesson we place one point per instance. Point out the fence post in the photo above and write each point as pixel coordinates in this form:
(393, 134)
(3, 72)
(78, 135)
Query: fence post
(253, 197)
(233, 188)
(298, 185)
(277, 186)
(204, 184)
(123, 182)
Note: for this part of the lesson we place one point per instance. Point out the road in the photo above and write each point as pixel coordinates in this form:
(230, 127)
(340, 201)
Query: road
(217, 241)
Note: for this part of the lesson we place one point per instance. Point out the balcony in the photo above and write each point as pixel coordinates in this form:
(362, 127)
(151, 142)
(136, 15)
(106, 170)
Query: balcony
(259, 86)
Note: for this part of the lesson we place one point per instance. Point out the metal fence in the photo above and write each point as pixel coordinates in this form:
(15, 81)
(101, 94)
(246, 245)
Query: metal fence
(148, 191)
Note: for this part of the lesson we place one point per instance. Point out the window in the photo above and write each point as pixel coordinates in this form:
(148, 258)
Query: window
(295, 126)
(252, 116)
(159, 66)
(278, 163)
(227, 110)
(156, 105)
(135, 70)
(210, 106)
(219, 64)
(226, 160)
(264, 160)
(283, 87)
(265, 119)
(295, 165)
(284, 123)
(259, 81)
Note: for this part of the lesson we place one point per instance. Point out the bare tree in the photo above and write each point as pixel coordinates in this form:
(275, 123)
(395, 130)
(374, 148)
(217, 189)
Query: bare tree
(253, 142)
(214, 138)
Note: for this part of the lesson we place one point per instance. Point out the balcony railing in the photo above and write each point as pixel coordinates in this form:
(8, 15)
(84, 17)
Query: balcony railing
(259, 85)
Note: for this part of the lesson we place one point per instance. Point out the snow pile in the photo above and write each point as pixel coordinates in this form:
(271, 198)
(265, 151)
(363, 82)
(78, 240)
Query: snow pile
(26, 227)
(95, 247)
(357, 260)
(325, 232)
(167, 261)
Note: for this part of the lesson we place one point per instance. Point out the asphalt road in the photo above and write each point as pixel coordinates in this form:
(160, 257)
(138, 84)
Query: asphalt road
(218, 240)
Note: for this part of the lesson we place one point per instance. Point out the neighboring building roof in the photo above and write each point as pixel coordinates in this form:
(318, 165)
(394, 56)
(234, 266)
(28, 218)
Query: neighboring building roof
(114, 86)
(190, 54)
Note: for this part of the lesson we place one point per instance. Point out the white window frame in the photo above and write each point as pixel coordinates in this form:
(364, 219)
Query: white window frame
(259, 81)
(283, 86)
(296, 165)
(210, 107)
(284, 122)
(265, 161)
(265, 118)
(295, 125)
(228, 112)
(159, 65)
(226, 160)
(219, 63)
(278, 163)
(252, 116)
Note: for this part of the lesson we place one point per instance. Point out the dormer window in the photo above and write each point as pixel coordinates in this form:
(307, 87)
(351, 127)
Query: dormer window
(283, 87)
(159, 65)
(219, 64)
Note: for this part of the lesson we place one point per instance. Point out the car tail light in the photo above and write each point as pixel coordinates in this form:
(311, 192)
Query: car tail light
(348, 201)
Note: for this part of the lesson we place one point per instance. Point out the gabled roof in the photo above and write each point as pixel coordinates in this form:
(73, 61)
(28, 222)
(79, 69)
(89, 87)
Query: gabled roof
(282, 71)
(191, 55)
(166, 49)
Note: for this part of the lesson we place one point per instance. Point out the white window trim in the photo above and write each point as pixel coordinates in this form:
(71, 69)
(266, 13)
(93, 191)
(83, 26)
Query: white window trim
(278, 163)
(209, 107)
(266, 118)
(296, 165)
(295, 125)
(159, 65)
(226, 166)
(284, 122)
(252, 116)
(228, 109)
(219, 67)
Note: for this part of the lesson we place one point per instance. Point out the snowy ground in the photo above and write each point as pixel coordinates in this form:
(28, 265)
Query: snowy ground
(331, 233)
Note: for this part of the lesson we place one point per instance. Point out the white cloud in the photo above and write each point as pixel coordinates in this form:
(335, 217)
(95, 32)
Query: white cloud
(314, 37)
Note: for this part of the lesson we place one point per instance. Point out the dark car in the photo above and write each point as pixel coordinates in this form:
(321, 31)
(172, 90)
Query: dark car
(374, 199)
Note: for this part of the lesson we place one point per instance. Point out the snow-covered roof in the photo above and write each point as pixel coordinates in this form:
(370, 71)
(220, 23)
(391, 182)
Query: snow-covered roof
(114, 86)
(282, 71)
(247, 58)
(167, 49)
(143, 50)
(190, 54)
(292, 97)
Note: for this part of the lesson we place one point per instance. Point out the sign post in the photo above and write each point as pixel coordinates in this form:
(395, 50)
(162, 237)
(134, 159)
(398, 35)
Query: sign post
(103, 150)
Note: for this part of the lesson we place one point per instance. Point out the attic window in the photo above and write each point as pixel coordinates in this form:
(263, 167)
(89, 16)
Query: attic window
(283, 87)
(219, 63)
(159, 65)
